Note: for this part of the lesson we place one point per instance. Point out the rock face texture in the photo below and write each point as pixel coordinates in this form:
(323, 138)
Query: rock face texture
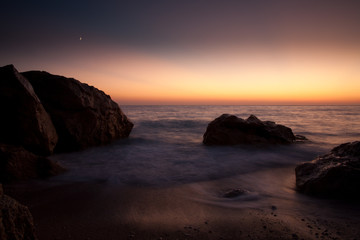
(16, 222)
(231, 130)
(24, 120)
(83, 115)
(16, 163)
(336, 174)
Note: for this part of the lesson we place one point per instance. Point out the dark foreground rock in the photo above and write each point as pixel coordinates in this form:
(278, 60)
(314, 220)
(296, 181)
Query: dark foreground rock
(336, 174)
(16, 222)
(83, 115)
(16, 163)
(231, 130)
(24, 120)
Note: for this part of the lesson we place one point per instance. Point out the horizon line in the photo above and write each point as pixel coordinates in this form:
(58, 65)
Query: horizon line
(358, 104)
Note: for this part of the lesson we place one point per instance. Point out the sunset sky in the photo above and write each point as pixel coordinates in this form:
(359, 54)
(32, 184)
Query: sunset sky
(192, 52)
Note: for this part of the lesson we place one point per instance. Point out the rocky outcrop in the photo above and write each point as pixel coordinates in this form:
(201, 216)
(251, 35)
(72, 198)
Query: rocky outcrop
(83, 115)
(231, 130)
(24, 120)
(16, 163)
(16, 222)
(336, 174)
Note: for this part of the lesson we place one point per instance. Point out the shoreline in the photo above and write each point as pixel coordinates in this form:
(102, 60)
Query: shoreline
(95, 211)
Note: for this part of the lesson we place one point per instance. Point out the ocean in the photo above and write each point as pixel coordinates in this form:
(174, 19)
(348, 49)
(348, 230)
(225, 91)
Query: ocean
(165, 149)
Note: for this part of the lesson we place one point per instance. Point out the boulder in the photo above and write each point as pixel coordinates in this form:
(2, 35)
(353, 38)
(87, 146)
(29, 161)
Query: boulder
(16, 222)
(231, 130)
(336, 174)
(83, 115)
(24, 120)
(16, 163)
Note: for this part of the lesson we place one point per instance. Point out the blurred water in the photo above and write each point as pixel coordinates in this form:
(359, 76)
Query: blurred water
(165, 147)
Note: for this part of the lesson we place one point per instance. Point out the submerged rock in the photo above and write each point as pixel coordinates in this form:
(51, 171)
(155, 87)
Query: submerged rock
(83, 115)
(16, 163)
(16, 222)
(336, 174)
(233, 193)
(230, 130)
(24, 120)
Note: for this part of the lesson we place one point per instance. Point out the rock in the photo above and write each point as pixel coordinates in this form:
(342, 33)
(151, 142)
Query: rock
(16, 222)
(83, 115)
(16, 163)
(231, 130)
(233, 193)
(24, 120)
(336, 174)
(300, 138)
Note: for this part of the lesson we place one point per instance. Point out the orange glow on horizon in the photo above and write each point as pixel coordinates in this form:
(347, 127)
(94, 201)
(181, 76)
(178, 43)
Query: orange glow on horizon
(228, 77)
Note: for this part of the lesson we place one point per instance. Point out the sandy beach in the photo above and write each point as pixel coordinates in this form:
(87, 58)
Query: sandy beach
(99, 211)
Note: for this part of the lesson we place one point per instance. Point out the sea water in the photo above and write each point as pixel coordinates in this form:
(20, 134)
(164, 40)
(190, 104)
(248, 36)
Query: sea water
(165, 150)
(165, 146)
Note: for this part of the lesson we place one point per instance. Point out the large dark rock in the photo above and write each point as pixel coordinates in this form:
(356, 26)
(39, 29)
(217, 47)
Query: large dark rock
(16, 163)
(23, 120)
(230, 130)
(336, 174)
(83, 115)
(16, 222)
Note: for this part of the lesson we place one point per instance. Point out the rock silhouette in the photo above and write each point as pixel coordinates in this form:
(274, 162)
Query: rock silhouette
(23, 120)
(16, 163)
(42, 112)
(231, 130)
(83, 115)
(336, 174)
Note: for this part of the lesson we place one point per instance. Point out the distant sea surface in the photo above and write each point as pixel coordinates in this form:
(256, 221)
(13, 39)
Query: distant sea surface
(165, 147)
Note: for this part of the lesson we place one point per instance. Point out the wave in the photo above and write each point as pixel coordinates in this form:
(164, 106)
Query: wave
(165, 146)
(172, 124)
(168, 164)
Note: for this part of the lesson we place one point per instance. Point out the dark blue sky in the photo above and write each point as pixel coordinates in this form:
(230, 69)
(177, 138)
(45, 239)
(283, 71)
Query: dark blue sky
(177, 24)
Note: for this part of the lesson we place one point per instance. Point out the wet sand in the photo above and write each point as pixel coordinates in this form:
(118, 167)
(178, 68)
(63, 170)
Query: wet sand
(97, 211)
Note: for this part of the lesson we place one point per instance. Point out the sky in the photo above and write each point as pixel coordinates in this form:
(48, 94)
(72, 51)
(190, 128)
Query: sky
(192, 52)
